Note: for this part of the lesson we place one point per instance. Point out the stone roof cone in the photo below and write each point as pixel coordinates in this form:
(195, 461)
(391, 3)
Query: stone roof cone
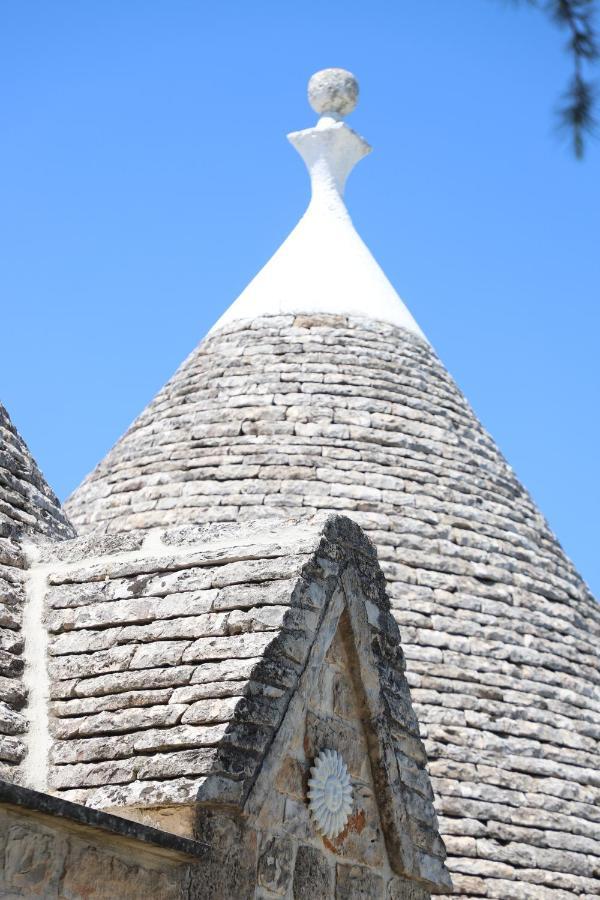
(316, 391)
(29, 511)
(28, 506)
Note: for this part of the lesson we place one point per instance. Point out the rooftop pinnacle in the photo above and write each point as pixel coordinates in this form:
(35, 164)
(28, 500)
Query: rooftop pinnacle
(333, 92)
(331, 149)
(323, 266)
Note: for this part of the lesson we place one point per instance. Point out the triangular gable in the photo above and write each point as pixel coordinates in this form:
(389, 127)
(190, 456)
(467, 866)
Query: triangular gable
(344, 689)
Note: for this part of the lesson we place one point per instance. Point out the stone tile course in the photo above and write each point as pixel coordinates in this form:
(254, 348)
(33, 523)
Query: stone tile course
(500, 634)
(28, 511)
(157, 723)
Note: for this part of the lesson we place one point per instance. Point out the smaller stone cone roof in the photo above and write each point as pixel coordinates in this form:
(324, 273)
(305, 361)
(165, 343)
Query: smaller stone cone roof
(28, 510)
(27, 503)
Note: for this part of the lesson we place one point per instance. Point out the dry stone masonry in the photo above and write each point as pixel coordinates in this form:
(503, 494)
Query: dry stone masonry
(291, 415)
(27, 508)
(219, 625)
(195, 674)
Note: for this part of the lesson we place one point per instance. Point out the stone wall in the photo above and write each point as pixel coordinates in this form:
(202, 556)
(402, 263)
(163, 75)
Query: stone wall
(43, 859)
(270, 865)
(179, 658)
(280, 646)
(293, 415)
(295, 860)
(13, 694)
(52, 849)
(48, 850)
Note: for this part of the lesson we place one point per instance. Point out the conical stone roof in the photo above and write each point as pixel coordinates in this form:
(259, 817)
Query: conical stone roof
(290, 413)
(28, 510)
(27, 504)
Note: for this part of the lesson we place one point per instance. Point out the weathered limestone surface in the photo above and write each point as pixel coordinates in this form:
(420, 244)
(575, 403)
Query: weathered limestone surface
(352, 697)
(294, 415)
(153, 651)
(204, 717)
(26, 502)
(28, 508)
(45, 856)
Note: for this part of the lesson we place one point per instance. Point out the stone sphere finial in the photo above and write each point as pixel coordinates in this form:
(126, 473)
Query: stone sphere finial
(333, 92)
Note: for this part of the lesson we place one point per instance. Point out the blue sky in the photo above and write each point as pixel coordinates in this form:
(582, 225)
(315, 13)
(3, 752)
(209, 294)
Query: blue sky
(146, 178)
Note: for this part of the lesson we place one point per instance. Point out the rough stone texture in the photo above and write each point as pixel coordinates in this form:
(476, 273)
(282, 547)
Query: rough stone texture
(157, 650)
(358, 883)
(313, 875)
(40, 856)
(288, 648)
(28, 509)
(26, 502)
(275, 864)
(389, 827)
(403, 889)
(291, 416)
(46, 854)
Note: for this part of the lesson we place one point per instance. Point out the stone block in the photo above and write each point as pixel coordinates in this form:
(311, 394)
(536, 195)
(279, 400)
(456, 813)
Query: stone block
(334, 734)
(292, 778)
(119, 721)
(432, 869)
(296, 819)
(125, 700)
(344, 701)
(403, 889)
(11, 722)
(358, 883)
(33, 861)
(174, 765)
(275, 864)
(98, 875)
(93, 774)
(208, 712)
(313, 875)
(159, 653)
(80, 665)
(228, 869)
(12, 749)
(469, 885)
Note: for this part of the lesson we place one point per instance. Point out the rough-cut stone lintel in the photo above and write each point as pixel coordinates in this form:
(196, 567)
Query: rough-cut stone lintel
(163, 842)
(92, 558)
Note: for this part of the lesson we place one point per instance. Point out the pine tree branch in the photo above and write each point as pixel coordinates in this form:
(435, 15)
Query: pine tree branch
(576, 113)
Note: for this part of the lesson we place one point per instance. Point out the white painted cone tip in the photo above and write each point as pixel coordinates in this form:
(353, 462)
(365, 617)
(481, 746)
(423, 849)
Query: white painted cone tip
(323, 267)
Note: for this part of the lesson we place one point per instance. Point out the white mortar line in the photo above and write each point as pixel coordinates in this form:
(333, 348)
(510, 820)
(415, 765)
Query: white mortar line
(35, 676)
